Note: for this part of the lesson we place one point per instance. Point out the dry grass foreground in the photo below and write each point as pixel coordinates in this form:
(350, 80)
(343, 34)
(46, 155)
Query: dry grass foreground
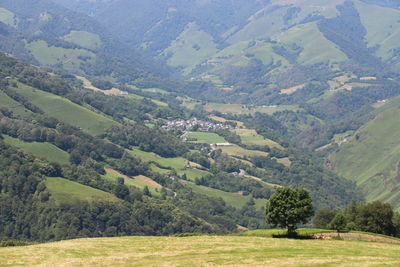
(202, 251)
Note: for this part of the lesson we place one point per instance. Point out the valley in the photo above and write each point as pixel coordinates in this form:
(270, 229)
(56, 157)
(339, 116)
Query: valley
(157, 131)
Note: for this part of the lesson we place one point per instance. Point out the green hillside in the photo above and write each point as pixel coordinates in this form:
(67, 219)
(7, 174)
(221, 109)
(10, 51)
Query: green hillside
(383, 35)
(190, 48)
(370, 157)
(234, 199)
(203, 251)
(65, 191)
(66, 111)
(84, 39)
(42, 150)
(52, 55)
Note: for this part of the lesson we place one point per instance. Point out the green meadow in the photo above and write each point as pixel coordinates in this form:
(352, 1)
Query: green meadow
(203, 251)
(46, 151)
(84, 39)
(66, 111)
(139, 181)
(235, 199)
(207, 137)
(13, 105)
(66, 191)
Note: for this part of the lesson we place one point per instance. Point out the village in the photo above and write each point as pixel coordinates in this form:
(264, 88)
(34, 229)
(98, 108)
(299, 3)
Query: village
(195, 125)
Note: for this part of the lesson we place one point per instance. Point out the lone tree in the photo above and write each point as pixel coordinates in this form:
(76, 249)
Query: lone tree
(288, 207)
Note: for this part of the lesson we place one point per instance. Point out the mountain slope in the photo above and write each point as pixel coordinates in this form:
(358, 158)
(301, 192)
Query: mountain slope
(48, 34)
(248, 52)
(370, 157)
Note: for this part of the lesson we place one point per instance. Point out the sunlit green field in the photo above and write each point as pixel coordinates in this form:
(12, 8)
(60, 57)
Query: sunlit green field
(66, 111)
(42, 150)
(65, 191)
(234, 199)
(210, 138)
(203, 251)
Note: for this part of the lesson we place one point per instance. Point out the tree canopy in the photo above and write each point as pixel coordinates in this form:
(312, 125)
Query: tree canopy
(288, 207)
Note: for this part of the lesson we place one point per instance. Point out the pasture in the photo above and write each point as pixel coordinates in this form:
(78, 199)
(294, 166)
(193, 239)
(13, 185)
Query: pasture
(66, 111)
(202, 251)
(46, 151)
(234, 199)
(207, 137)
(66, 191)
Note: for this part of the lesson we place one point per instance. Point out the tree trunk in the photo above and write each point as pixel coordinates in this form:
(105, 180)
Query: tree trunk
(291, 231)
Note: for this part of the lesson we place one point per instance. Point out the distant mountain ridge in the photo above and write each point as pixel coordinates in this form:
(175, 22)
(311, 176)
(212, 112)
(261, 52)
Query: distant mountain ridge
(250, 50)
(43, 32)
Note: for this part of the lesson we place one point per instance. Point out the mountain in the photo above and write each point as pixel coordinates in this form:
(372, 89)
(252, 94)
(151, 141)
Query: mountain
(260, 52)
(44, 33)
(370, 155)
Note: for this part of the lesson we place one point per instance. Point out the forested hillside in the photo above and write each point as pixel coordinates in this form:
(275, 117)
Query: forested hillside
(73, 145)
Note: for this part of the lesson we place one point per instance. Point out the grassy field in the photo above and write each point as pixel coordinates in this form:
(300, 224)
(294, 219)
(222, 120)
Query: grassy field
(220, 119)
(51, 55)
(65, 191)
(315, 47)
(242, 109)
(137, 181)
(174, 163)
(7, 17)
(88, 85)
(238, 151)
(206, 137)
(384, 34)
(66, 111)
(13, 105)
(233, 199)
(85, 39)
(192, 174)
(202, 251)
(46, 151)
(190, 48)
(250, 137)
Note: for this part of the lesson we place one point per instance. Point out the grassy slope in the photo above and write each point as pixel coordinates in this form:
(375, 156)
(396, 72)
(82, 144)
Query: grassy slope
(138, 181)
(41, 150)
(238, 151)
(384, 34)
(234, 199)
(250, 137)
(66, 111)
(65, 191)
(84, 39)
(7, 17)
(315, 47)
(372, 159)
(202, 251)
(242, 109)
(13, 105)
(51, 55)
(183, 49)
(207, 137)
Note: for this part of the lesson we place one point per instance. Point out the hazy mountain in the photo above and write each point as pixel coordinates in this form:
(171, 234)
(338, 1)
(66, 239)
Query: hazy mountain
(251, 50)
(48, 34)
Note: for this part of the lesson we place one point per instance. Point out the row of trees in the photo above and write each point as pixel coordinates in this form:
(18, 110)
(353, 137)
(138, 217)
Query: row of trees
(376, 217)
(289, 207)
